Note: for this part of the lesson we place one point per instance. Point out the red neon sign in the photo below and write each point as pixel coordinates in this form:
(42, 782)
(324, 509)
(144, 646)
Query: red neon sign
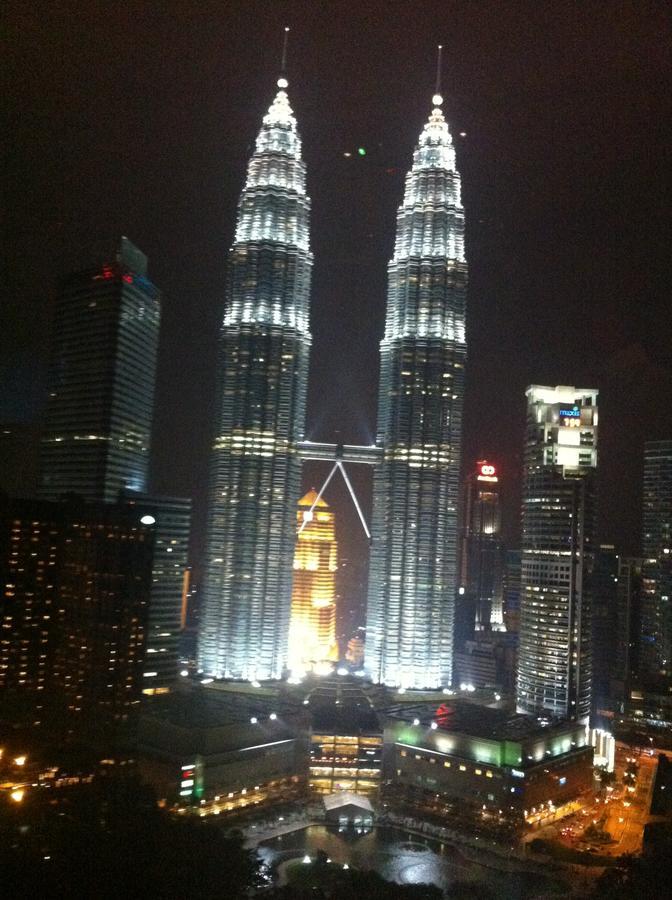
(487, 469)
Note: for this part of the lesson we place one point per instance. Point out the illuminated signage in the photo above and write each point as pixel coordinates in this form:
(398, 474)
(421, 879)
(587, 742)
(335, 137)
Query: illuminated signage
(486, 472)
(570, 418)
(517, 773)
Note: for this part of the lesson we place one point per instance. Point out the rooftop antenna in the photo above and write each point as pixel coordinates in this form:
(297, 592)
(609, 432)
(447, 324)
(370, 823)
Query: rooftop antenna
(437, 99)
(282, 81)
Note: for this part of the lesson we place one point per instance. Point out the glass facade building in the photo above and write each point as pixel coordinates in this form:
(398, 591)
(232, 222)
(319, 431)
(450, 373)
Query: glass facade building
(170, 518)
(554, 663)
(413, 568)
(101, 380)
(482, 554)
(255, 469)
(656, 605)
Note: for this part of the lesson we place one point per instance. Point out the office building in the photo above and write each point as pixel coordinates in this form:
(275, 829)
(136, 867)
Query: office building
(656, 604)
(170, 518)
(312, 627)
(604, 625)
(511, 590)
(19, 443)
(489, 660)
(255, 469)
(554, 661)
(101, 379)
(413, 566)
(482, 553)
(625, 660)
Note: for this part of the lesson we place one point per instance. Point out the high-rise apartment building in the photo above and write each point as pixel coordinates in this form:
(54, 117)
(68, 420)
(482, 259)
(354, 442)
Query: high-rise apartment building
(76, 583)
(656, 605)
(482, 553)
(554, 662)
(413, 568)
(312, 627)
(255, 469)
(101, 379)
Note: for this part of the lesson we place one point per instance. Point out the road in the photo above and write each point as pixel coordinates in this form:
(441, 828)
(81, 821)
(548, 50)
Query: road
(625, 805)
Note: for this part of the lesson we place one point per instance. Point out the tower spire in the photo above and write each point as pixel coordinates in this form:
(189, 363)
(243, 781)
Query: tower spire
(437, 99)
(282, 80)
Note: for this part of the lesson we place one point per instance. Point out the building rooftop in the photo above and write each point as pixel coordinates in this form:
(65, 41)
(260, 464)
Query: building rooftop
(341, 706)
(346, 798)
(202, 708)
(461, 717)
(312, 497)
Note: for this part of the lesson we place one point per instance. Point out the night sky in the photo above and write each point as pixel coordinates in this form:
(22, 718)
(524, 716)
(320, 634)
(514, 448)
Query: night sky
(139, 118)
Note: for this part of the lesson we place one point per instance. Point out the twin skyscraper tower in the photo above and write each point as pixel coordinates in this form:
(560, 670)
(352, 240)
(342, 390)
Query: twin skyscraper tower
(255, 474)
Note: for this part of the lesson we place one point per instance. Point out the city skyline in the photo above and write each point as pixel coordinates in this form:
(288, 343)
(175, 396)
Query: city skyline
(310, 549)
(630, 367)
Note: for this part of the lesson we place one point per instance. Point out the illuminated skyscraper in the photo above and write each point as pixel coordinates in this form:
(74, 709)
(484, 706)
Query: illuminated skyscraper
(101, 379)
(413, 575)
(554, 661)
(482, 556)
(312, 628)
(255, 469)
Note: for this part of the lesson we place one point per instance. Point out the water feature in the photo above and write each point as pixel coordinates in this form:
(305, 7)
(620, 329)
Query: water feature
(406, 858)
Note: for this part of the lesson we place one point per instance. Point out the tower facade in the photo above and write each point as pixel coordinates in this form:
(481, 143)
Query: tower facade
(558, 546)
(413, 569)
(101, 380)
(255, 469)
(656, 644)
(482, 558)
(312, 628)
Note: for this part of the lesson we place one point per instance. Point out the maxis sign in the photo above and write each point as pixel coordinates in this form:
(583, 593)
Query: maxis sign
(571, 417)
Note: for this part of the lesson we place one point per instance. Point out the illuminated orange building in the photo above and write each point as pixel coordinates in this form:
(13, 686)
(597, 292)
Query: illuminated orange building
(312, 629)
